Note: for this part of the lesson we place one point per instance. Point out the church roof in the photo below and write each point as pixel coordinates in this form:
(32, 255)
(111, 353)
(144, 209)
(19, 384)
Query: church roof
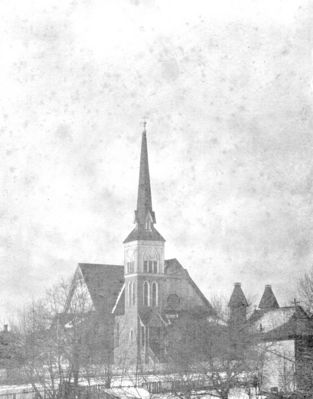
(237, 298)
(203, 298)
(144, 212)
(281, 323)
(142, 234)
(104, 283)
(268, 300)
(173, 267)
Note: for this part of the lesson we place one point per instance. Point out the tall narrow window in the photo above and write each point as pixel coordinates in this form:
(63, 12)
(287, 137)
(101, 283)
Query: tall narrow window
(146, 293)
(155, 266)
(150, 266)
(154, 294)
(145, 266)
(143, 336)
(130, 267)
(131, 336)
(148, 224)
(133, 293)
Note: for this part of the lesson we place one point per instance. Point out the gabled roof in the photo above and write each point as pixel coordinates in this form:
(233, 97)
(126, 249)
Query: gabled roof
(203, 298)
(237, 298)
(288, 322)
(104, 283)
(268, 300)
(256, 315)
(173, 267)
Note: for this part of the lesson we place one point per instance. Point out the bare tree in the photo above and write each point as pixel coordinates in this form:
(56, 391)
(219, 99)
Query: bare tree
(64, 343)
(212, 355)
(305, 290)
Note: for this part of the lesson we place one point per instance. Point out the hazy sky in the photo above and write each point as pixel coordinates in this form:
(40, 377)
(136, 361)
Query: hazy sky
(226, 88)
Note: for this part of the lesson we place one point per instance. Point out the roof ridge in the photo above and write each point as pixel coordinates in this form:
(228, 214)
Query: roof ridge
(99, 264)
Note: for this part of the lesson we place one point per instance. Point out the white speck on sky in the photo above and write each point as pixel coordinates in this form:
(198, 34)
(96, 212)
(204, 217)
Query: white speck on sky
(227, 90)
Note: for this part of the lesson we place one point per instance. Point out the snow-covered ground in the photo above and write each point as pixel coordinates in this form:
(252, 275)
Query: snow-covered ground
(125, 388)
(235, 394)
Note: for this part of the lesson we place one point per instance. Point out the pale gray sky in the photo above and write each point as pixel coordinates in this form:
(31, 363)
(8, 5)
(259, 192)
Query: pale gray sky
(227, 90)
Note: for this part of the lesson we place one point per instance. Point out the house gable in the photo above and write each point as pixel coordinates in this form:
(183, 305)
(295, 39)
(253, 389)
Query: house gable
(79, 300)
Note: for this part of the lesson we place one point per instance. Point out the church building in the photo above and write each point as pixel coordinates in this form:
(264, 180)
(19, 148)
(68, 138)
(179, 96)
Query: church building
(139, 299)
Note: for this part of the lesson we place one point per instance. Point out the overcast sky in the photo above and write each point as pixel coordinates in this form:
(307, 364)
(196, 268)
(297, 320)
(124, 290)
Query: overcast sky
(226, 88)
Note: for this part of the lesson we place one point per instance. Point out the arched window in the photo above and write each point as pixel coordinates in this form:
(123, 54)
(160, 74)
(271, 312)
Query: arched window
(154, 294)
(146, 294)
(133, 293)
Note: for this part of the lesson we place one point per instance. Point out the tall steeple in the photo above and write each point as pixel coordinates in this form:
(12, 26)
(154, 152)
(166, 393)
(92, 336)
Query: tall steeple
(144, 200)
(144, 215)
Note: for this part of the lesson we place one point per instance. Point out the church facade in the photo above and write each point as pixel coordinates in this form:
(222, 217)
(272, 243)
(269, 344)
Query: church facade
(139, 299)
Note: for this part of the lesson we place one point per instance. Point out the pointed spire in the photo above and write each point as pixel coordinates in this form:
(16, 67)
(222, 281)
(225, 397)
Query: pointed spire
(237, 298)
(144, 215)
(268, 300)
(144, 200)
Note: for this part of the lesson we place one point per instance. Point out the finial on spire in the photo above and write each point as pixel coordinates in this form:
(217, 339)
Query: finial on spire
(144, 215)
(144, 123)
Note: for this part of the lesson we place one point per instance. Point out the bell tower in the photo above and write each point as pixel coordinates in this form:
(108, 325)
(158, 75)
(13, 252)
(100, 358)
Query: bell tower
(143, 263)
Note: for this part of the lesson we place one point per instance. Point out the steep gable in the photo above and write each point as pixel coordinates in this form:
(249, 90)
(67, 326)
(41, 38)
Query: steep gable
(104, 283)
(79, 299)
(99, 285)
(174, 269)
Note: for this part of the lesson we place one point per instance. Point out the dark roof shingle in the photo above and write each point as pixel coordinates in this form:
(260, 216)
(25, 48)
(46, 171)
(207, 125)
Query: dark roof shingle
(139, 233)
(104, 283)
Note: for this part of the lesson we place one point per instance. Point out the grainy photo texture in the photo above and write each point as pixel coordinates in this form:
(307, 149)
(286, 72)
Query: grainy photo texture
(156, 199)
